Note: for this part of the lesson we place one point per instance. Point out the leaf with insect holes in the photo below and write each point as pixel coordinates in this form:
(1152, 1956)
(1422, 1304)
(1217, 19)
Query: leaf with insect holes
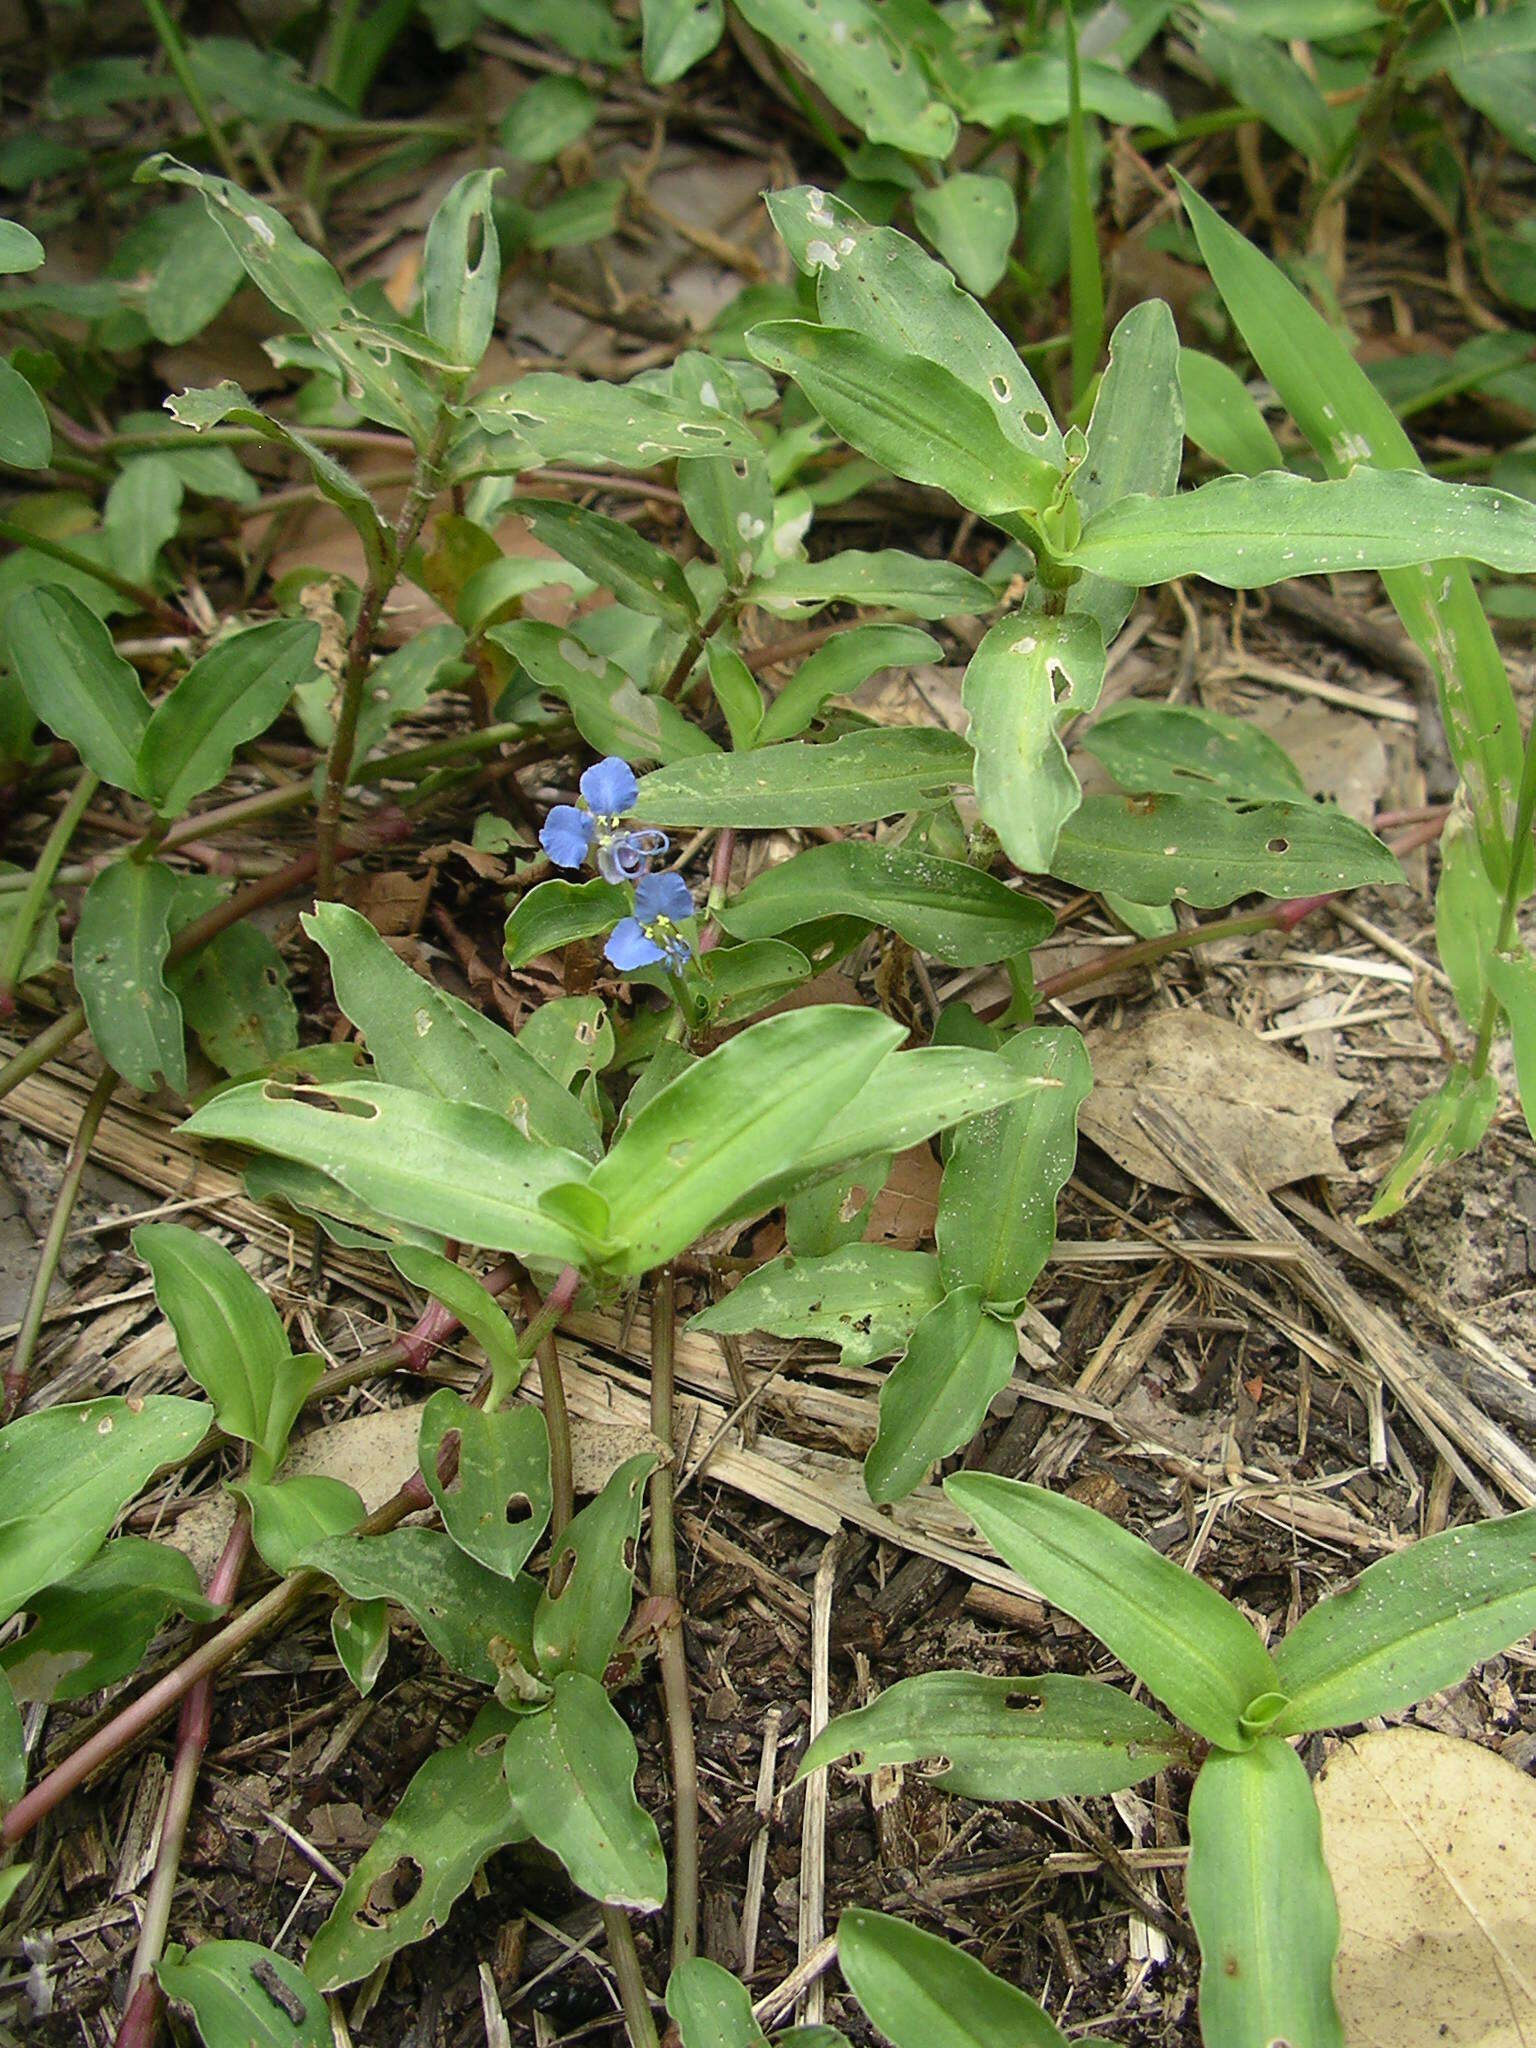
(463, 1608)
(866, 73)
(461, 269)
(1176, 749)
(295, 277)
(571, 1771)
(496, 1507)
(67, 1472)
(1209, 851)
(1030, 674)
(922, 1993)
(441, 1166)
(913, 417)
(592, 1566)
(1187, 1645)
(865, 1298)
(546, 417)
(230, 1339)
(422, 1038)
(236, 1991)
(76, 681)
(1261, 1900)
(957, 913)
(455, 1813)
(1002, 1738)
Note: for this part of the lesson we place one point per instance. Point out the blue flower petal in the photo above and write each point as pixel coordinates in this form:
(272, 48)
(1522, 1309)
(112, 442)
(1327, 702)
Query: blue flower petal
(610, 787)
(567, 836)
(628, 855)
(629, 948)
(662, 896)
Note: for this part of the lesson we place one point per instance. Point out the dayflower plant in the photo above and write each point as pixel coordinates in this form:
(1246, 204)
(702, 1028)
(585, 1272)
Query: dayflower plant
(662, 904)
(573, 833)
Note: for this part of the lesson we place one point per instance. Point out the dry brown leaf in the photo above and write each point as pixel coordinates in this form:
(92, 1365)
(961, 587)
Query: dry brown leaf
(1432, 1846)
(1246, 1099)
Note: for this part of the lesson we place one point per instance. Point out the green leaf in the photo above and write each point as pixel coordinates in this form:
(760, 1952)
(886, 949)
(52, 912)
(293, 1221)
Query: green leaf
(1467, 909)
(235, 1991)
(1188, 1646)
(421, 1038)
(1177, 750)
(552, 915)
(921, 1993)
(13, 1776)
(447, 1167)
(1444, 1126)
(934, 1399)
(678, 33)
(264, 85)
(1210, 851)
(577, 1628)
(42, 946)
(226, 403)
(230, 1339)
(1410, 1625)
(971, 220)
(19, 249)
(77, 682)
(1034, 90)
(360, 1633)
(234, 997)
(550, 418)
(461, 269)
(465, 1611)
(857, 653)
(546, 118)
(231, 695)
(121, 944)
(1259, 74)
(291, 1518)
(711, 2008)
(865, 73)
(1347, 421)
(612, 713)
(1135, 442)
(179, 269)
(26, 439)
(735, 982)
(865, 1298)
(736, 692)
(1002, 1738)
(569, 1035)
(1031, 673)
(464, 1295)
(66, 1473)
(1512, 977)
(913, 417)
(295, 277)
(1222, 418)
(942, 907)
(1262, 1904)
(890, 289)
(571, 1770)
(1248, 531)
(1085, 273)
(855, 780)
(497, 1505)
(906, 583)
(142, 513)
(735, 1119)
(453, 1815)
(621, 561)
(997, 1204)
(92, 1628)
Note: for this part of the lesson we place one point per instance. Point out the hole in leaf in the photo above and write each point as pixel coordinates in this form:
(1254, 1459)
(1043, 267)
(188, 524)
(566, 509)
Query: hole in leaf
(519, 1509)
(1024, 1702)
(1278, 846)
(394, 1888)
(629, 1553)
(1036, 420)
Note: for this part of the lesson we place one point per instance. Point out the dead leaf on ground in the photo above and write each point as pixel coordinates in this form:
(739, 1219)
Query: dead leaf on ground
(1431, 1843)
(1245, 1098)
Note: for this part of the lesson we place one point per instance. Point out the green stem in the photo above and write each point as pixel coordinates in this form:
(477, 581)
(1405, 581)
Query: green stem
(186, 78)
(338, 765)
(1525, 811)
(19, 1371)
(140, 595)
(695, 644)
(30, 908)
(671, 1650)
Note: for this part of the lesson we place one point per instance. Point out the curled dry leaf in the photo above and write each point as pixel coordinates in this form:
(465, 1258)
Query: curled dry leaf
(1431, 1843)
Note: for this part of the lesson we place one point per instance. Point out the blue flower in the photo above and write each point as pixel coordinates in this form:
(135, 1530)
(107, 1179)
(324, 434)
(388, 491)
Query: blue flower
(572, 833)
(662, 903)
